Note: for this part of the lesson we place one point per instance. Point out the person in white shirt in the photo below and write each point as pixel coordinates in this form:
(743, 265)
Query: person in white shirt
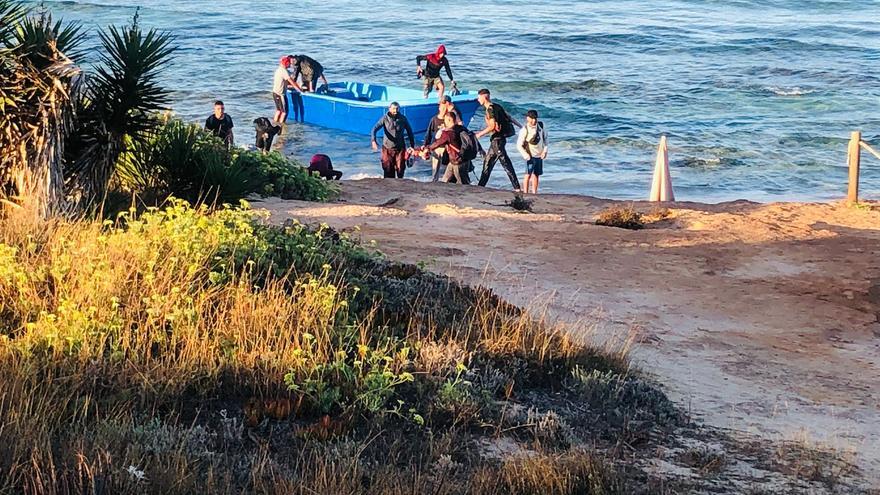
(279, 89)
(532, 145)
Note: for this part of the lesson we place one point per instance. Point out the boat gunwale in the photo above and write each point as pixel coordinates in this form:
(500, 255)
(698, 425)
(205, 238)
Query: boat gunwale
(384, 103)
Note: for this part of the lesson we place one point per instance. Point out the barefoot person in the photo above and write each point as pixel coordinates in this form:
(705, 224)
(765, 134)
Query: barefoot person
(280, 84)
(309, 70)
(431, 73)
(220, 124)
(532, 145)
(393, 125)
(500, 125)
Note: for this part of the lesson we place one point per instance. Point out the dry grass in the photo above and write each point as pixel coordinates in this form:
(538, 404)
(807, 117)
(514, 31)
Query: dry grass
(624, 217)
(183, 351)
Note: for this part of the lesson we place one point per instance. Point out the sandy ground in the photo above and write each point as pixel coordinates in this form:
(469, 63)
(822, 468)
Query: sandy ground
(757, 317)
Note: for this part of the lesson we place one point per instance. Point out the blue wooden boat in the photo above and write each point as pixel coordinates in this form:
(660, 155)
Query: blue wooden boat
(356, 106)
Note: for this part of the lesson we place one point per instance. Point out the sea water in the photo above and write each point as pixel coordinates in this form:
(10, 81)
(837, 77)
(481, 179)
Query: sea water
(757, 98)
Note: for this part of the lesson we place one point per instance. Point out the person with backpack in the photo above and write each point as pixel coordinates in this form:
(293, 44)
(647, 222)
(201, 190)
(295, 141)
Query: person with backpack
(500, 125)
(460, 147)
(394, 152)
(532, 145)
(435, 129)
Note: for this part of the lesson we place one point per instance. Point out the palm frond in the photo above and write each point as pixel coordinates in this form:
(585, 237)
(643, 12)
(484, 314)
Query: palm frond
(11, 14)
(122, 99)
(36, 85)
(33, 35)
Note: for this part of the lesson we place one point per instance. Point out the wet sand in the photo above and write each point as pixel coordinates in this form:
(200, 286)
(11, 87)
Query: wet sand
(757, 317)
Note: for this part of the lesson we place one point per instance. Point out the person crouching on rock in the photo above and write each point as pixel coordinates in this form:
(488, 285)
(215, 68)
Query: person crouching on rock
(323, 166)
(393, 125)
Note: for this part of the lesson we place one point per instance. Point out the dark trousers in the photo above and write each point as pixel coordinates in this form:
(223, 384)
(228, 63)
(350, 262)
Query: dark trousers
(393, 162)
(498, 152)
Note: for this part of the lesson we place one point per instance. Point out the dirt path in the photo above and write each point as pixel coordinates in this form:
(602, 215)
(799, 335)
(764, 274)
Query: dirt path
(762, 318)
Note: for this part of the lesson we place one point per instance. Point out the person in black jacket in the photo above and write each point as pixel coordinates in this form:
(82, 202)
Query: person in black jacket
(220, 123)
(393, 125)
(310, 71)
(435, 127)
(497, 120)
(431, 73)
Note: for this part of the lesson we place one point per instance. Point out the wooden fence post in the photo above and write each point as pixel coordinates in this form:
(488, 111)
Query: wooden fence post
(852, 196)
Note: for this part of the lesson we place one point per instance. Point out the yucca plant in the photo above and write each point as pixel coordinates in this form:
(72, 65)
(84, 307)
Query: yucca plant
(185, 161)
(37, 80)
(119, 106)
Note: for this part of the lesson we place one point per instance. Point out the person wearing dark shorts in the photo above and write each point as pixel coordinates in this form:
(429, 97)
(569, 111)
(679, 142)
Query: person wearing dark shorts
(220, 124)
(532, 145)
(393, 125)
(434, 62)
(496, 116)
(321, 164)
(280, 83)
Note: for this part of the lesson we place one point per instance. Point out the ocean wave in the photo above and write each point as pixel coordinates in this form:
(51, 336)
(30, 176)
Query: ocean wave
(610, 141)
(706, 163)
(790, 91)
(552, 87)
(363, 175)
(602, 39)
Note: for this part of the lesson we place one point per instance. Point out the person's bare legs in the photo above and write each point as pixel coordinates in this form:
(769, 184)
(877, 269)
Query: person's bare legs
(441, 88)
(526, 181)
(278, 116)
(536, 184)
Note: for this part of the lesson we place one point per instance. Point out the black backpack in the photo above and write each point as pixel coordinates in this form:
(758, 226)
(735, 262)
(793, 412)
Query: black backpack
(469, 145)
(505, 125)
(536, 138)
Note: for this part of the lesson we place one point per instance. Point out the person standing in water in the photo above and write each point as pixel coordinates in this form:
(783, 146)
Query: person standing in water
(310, 71)
(220, 124)
(431, 73)
(500, 125)
(532, 145)
(393, 125)
(280, 84)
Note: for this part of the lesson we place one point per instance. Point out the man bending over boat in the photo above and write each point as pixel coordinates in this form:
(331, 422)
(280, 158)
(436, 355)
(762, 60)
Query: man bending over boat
(431, 73)
(393, 125)
(280, 84)
(310, 71)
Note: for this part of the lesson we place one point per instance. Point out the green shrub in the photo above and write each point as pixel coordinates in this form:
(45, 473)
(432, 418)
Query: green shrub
(283, 177)
(185, 161)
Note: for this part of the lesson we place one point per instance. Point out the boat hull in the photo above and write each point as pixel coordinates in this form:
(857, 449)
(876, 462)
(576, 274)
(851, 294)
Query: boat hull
(356, 107)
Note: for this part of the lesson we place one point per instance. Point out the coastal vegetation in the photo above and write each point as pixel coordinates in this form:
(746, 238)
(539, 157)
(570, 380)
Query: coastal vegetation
(185, 348)
(73, 137)
(173, 348)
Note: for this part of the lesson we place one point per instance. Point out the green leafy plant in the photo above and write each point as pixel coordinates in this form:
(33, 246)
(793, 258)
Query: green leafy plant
(118, 106)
